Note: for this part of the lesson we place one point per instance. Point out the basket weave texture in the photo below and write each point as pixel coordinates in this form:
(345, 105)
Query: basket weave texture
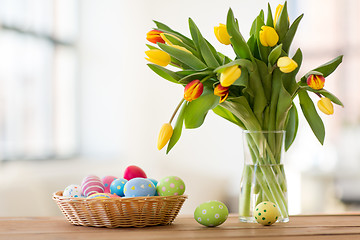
(120, 212)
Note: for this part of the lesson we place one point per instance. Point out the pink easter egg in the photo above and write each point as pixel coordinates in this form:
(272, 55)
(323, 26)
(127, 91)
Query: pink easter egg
(92, 184)
(134, 172)
(107, 180)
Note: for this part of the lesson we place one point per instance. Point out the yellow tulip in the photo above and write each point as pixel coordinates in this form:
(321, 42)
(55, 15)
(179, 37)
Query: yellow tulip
(158, 57)
(325, 105)
(163, 36)
(277, 13)
(230, 75)
(221, 34)
(165, 134)
(286, 64)
(268, 36)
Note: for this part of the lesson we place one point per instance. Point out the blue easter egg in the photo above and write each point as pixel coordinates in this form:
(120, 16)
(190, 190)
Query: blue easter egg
(155, 182)
(117, 187)
(139, 187)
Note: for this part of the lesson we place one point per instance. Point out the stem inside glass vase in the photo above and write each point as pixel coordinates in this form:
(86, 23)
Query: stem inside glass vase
(263, 176)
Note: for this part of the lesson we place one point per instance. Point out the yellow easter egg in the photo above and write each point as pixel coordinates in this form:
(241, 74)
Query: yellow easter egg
(266, 213)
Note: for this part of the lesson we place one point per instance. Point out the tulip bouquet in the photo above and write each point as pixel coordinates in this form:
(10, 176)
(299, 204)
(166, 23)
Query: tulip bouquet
(255, 91)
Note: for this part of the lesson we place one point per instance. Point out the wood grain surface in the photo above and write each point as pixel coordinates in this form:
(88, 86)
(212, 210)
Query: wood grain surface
(318, 227)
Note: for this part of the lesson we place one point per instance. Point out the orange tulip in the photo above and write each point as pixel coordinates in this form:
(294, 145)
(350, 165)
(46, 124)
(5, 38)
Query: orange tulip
(193, 90)
(154, 36)
(316, 81)
(222, 92)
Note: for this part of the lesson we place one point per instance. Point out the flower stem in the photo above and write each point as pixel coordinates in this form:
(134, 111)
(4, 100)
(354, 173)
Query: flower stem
(176, 109)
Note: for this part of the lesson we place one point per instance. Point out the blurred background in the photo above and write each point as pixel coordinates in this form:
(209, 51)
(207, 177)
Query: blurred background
(76, 98)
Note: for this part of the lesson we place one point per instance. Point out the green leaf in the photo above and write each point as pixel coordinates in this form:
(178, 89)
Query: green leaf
(166, 29)
(325, 93)
(291, 126)
(178, 42)
(282, 25)
(193, 76)
(311, 115)
(202, 45)
(291, 33)
(177, 129)
(241, 109)
(265, 78)
(151, 46)
(269, 21)
(197, 110)
(263, 51)
(240, 62)
(164, 73)
(184, 57)
(327, 68)
(283, 106)
(239, 45)
(275, 54)
(224, 113)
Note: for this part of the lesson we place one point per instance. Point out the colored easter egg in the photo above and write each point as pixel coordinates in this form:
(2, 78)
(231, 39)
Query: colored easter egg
(92, 184)
(98, 195)
(72, 191)
(139, 187)
(113, 195)
(155, 182)
(170, 186)
(117, 187)
(266, 213)
(211, 213)
(134, 172)
(107, 182)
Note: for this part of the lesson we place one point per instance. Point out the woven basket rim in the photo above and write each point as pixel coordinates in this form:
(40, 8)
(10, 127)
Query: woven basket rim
(58, 195)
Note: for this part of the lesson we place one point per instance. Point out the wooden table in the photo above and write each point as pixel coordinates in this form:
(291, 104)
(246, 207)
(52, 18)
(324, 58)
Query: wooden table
(317, 227)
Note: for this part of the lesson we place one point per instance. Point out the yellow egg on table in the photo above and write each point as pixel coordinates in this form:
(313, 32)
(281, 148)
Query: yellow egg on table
(266, 213)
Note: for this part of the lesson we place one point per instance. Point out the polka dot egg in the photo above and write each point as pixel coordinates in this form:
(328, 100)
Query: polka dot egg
(211, 213)
(117, 187)
(139, 187)
(170, 186)
(72, 191)
(107, 182)
(266, 213)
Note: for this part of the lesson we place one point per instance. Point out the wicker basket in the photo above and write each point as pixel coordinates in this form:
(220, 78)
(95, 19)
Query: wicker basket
(120, 212)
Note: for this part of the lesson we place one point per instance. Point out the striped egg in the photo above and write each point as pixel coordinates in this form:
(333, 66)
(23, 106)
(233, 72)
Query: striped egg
(98, 195)
(92, 184)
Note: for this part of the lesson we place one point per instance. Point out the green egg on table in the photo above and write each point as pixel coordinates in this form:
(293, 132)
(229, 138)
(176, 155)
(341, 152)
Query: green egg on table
(211, 213)
(266, 213)
(170, 186)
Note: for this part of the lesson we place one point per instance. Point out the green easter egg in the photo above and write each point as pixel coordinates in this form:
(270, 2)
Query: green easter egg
(266, 213)
(170, 186)
(211, 214)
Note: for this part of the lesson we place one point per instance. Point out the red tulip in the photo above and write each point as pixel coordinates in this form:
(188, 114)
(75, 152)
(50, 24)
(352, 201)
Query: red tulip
(193, 90)
(154, 36)
(222, 92)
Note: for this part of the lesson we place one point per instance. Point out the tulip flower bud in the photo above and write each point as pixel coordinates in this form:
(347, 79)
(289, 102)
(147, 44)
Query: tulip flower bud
(165, 134)
(325, 105)
(316, 81)
(168, 42)
(277, 13)
(286, 64)
(193, 90)
(158, 57)
(154, 36)
(230, 75)
(221, 34)
(268, 36)
(222, 92)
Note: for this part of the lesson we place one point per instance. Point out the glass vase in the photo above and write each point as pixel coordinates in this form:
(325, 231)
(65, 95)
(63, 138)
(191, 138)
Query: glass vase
(263, 177)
